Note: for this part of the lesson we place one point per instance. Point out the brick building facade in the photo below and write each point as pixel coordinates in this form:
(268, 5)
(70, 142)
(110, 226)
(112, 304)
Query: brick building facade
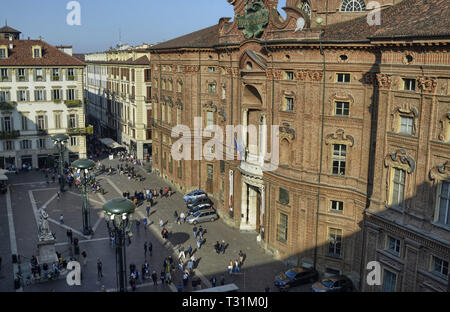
(364, 132)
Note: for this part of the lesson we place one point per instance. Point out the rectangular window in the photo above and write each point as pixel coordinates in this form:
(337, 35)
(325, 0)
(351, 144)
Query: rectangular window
(4, 96)
(55, 73)
(334, 242)
(282, 228)
(289, 104)
(342, 108)
(9, 145)
(289, 75)
(406, 125)
(21, 95)
(41, 122)
(409, 84)
(4, 73)
(38, 95)
(389, 281)
(2, 53)
(57, 119)
(444, 203)
(439, 266)
(39, 74)
(283, 196)
(398, 186)
(209, 118)
(42, 143)
(212, 88)
(70, 94)
(7, 123)
(339, 158)
(211, 69)
(21, 74)
(73, 141)
(24, 120)
(56, 94)
(70, 74)
(393, 245)
(343, 78)
(72, 121)
(25, 144)
(37, 53)
(336, 205)
(148, 75)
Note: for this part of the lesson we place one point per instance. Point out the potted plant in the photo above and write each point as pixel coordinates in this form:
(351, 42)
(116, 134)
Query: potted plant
(39, 78)
(71, 77)
(55, 78)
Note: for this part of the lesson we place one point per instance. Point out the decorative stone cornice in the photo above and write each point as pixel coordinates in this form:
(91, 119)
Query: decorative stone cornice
(384, 81)
(315, 75)
(400, 159)
(301, 74)
(233, 71)
(339, 138)
(191, 68)
(427, 84)
(440, 173)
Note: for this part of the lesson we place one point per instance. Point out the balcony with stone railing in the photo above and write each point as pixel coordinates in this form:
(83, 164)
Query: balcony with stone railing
(9, 135)
(73, 103)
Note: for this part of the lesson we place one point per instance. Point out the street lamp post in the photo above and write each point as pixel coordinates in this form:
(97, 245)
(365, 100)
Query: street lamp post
(60, 140)
(83, 166)
(118, 213)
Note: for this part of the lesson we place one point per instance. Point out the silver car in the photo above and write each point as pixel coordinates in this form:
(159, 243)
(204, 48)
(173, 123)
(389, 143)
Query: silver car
(202, 216)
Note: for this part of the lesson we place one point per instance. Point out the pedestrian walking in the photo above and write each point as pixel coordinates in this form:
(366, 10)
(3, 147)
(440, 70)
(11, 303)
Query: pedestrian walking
(112, 237)
(194, 230)
(138, 223)
(162, 277)
(222, 246)
(145, 250)
(61, 219)
(182, 217)
(155, 278)
(168, 278)
(189, 251)
(69, 236)
(150, 248)
(144, 221)
(175, 215)
(84, 255)
(236, 266)
(241, 258)
(213, 281)
(217, 247)
(199, 242)
(161, 223)
(185, 279)
(58, 195)
(230, 267)
(99, 269)
(148, 210)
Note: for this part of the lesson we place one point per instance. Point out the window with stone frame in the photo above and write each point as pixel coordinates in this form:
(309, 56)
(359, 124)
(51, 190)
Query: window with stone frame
(443, 203)
(342, 108)
(409, 84)
(339, 159)
(336, 206)
(398, 183)
(334, 242)
(406, 125)
(3, 53)
(289, 104)
(209, 118)
(283, 196)
(24, 120)
(439, 266)
(389, 283)
(282, 228)
(393, 245)
(343, 77)
(4, 96)
(211, 87)
(289, 75)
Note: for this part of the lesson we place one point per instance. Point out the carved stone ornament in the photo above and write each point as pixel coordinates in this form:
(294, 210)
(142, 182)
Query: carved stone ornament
(222, 113)
(254, 20)
(401, 160)
(315, 75)
(155, 98)
(427, 84)
(179, 104)
(440, 173)
(190, 68)
(444, 123)
(286, 132)
(170, 101)
(274, 73)
(384, 81)
(404, 109)
(210, 105)
(339, 138)
(301, 74)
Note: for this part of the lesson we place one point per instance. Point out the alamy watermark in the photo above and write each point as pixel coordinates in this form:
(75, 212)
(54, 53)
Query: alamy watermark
(74, 16)
(374, 276)
(190, 146)
(74, 275)
(374, 17)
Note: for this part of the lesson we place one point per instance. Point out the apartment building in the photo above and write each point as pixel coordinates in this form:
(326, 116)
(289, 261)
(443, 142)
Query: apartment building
(118, 90)
(41, 94)
(363, 119)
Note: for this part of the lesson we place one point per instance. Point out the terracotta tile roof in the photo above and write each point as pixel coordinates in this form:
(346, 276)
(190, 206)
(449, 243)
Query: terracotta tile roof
(409, 18)
(203, 38)
(21, 55)
(143, 60)
(7, 29)
(79, 56)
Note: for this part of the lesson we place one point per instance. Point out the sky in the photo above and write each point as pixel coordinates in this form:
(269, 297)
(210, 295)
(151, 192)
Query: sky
(137, 21)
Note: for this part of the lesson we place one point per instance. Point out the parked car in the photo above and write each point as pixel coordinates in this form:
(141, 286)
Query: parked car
(202, 216)
(199, 207)
(194, 194)
(337, 283)
(198, 201)
(295, 277)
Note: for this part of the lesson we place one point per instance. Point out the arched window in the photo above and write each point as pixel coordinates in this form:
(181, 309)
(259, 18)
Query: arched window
(305, 6)
(353, 6)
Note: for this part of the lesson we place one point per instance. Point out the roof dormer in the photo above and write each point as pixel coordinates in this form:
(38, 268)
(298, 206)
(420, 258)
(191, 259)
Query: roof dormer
(37, 51)
(3, 51)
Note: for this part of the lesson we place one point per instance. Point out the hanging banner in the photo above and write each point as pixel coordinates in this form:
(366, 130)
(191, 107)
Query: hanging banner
(230, 203)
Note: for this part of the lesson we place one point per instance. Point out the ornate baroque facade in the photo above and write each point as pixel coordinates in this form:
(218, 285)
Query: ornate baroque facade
(364, 133)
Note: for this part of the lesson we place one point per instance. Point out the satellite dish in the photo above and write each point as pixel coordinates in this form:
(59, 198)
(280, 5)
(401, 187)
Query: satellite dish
(300, 24)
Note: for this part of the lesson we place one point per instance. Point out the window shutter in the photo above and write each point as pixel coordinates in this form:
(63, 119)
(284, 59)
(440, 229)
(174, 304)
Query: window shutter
(18, 96)
(3, 123)
(37, 124)
(46, 122)
(76, 94)
(12, 122)
(8, 98)
(68, 121)
(76, 121)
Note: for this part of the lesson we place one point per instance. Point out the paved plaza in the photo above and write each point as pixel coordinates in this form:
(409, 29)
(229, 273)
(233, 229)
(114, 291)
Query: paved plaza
(19, 219)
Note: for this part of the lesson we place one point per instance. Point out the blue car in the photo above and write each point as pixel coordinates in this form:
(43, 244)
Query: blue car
(194, 195)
